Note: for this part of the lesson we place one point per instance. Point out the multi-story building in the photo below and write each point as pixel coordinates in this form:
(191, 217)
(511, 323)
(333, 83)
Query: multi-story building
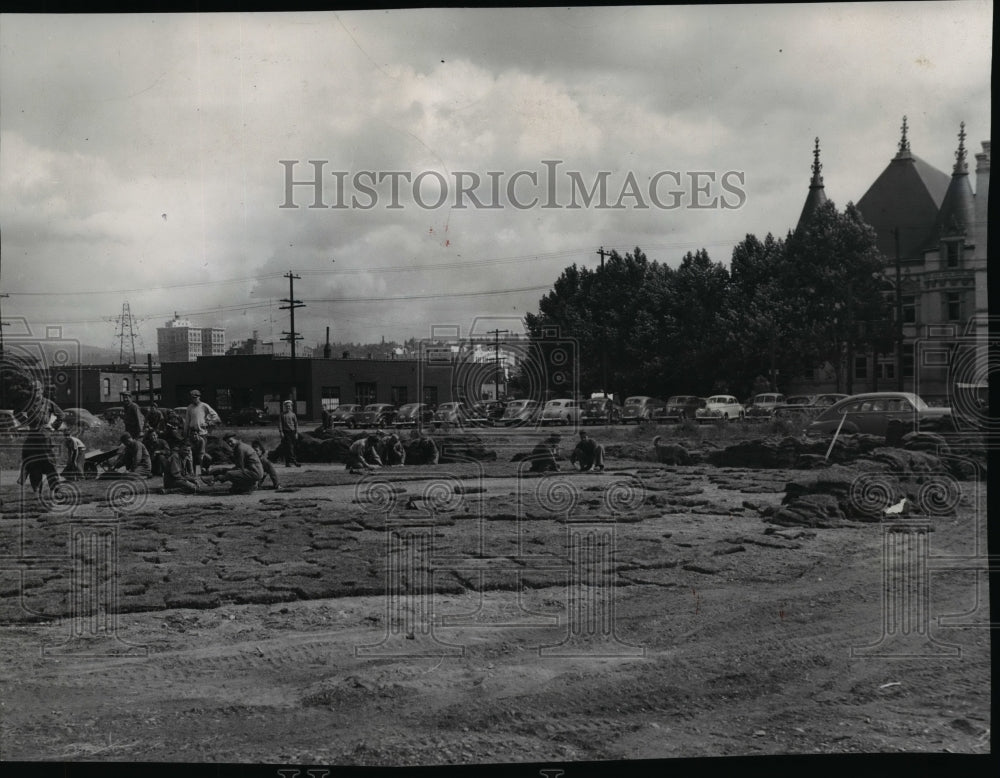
(178, 341)
(932, 230)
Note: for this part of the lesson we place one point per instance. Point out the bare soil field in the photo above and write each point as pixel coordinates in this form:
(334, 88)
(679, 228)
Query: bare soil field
(473, 614)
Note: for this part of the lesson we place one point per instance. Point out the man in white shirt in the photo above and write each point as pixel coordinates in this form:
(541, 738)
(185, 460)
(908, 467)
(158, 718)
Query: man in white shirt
(198, 418)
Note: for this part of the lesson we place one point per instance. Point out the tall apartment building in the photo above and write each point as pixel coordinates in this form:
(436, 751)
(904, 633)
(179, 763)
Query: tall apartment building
(178, 341)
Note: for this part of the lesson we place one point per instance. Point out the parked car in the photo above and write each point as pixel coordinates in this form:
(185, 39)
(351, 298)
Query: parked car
(805, 406)
(873, 412)
(455, 413)
(375, 415)
(344, 414)
(488, 413)
(720, 407)
(563, 411)
(520, 412)
(247, 417)
(412, 414)
(763, 406)
(81, 418)
(641, 408)
(111, 415)
(680, 407)
(600, 410)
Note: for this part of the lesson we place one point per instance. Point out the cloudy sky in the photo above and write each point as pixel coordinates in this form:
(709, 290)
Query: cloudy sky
(141, 155)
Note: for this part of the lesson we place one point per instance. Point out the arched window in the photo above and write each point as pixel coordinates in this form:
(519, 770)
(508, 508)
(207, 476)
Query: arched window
(107, 387)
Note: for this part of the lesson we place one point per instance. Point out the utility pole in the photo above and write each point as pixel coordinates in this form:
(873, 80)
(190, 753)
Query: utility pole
(899, 314)
(496, 361)
(292, 335)
(604, 350)
(149, 377)
(850, 339)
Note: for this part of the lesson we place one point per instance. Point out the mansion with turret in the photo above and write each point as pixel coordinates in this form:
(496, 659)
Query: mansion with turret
(932, 231)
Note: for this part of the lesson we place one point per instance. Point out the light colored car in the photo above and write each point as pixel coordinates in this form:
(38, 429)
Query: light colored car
(562, 411)
(520, 412)
(720, 407)
(763, 405)
(81, 419)
(873, 412)
(641, 408)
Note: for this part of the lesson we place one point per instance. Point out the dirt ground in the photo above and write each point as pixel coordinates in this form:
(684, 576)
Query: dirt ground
(460, 614)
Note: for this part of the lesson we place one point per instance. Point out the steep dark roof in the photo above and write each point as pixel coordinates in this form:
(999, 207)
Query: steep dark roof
(908, 195)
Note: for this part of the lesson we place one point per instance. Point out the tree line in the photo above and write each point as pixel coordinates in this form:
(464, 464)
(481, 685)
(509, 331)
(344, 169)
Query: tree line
(780, 310)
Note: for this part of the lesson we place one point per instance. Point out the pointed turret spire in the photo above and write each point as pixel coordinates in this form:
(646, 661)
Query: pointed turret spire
(957, 213)
(817, 194)
(960, 164)
(904, 142)
(817, 166)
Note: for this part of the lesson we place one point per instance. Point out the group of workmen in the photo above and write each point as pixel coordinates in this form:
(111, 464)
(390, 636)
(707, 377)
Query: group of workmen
(154, 444)
(158, 443)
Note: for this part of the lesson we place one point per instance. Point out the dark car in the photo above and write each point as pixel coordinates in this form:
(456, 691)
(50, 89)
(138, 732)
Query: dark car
(679, 408)
(452, 413)
(806, 406)
(412, 414)
(344, 415)
(641, 408)
(872, 413)
(247, 417)
(375, 415)
(111, 415)
(487, 414)
(520, 412)
(600, 410)
(81, 419)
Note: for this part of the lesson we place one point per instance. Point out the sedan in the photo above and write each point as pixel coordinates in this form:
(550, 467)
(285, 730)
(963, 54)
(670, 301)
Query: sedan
(720, 407)
(520, 412)
(247, 417)
(872, 413)
(805, 406)
(81, 418)
(344, 414)
(641, 408)
(763, 406)
(565, 411)
(680, 407)
(375, 415)
(453, 413)
(600, 410)
(412, 414)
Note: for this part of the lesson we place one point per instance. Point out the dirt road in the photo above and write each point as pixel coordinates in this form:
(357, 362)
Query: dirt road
(466, 614)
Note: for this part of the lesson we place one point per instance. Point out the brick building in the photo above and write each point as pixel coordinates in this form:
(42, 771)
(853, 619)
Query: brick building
(264, 381)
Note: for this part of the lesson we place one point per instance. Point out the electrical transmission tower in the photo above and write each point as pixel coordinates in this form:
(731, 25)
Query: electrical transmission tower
(124, 322)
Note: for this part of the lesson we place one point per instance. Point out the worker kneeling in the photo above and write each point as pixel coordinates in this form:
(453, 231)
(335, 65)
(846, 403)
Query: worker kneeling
(588, 453)
(247, 470)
